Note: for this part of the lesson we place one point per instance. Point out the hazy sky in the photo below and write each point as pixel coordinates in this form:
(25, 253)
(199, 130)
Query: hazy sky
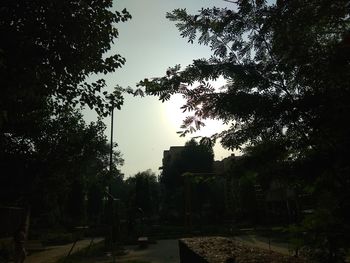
(145, 127)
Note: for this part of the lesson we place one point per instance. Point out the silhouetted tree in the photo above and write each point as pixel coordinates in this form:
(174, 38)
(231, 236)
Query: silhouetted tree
(68, 152)
(144, 193)
(75, 203)
(47, 52)
(95, 195)
(49, 49)
(287, 71)
(194, 158)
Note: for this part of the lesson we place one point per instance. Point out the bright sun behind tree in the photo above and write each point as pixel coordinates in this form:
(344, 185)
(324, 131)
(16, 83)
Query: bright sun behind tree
(175, 114)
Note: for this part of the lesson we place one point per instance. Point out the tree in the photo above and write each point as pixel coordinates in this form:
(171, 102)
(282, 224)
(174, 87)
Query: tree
(194, 158)
(48, 51)
(94, 207)
(144, 193)
(287, 71)
(69, 157)
(75, 203)
(69, 154)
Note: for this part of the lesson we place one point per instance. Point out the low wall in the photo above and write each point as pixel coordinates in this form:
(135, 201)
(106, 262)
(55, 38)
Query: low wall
(187, 255)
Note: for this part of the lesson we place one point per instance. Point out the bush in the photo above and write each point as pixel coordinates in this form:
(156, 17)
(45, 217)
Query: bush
(5, 249)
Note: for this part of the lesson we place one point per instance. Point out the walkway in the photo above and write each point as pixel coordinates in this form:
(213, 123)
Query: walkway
(261, 242)
(167, 251)
(52, 254)
(164, 251)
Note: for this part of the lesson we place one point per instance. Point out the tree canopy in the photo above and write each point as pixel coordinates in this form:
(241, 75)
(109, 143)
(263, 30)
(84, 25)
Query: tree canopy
(287, 68)
(50, 48)
(143, 194)
(193, 158)
(67, 154)
(47, 54)
(279, 65)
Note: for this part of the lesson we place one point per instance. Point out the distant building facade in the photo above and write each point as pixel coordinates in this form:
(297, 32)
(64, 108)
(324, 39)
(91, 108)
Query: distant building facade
(170, 155)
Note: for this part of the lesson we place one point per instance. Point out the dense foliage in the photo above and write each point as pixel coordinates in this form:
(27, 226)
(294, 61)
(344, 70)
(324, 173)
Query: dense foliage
(49, 49)
(49, 156)
(142, 195)
(192, 158)
(287, 71)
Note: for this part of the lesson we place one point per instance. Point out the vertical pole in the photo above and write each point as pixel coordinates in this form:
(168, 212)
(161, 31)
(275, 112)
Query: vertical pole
(111, 150)
(110, 200)
(188, 216)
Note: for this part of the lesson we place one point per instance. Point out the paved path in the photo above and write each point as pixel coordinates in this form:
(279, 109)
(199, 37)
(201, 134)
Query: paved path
(262, 242)
(165, 251)
(52, 254)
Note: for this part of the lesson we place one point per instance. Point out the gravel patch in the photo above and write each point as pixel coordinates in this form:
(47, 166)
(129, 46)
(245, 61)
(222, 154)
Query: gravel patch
(228, 250)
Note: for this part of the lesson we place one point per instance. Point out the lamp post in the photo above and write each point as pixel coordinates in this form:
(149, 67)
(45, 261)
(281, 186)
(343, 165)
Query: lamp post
(111, 149)
(110, 198)
(112, 201)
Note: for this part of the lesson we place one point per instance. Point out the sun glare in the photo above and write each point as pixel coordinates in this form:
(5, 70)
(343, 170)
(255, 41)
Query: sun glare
(176, 116)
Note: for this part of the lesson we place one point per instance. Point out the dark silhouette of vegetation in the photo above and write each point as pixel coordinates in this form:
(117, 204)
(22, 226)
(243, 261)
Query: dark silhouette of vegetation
(193, 158)
(263, 175)
(49, 157)
(287, 71)
(50, 49)
(143, 194)
(70, 157)
(286, 98)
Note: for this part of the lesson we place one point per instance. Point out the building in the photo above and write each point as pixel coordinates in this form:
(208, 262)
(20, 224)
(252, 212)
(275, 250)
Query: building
(170, 155)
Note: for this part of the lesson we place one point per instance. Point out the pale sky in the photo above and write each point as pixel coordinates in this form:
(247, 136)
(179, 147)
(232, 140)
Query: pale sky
(145, 127)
